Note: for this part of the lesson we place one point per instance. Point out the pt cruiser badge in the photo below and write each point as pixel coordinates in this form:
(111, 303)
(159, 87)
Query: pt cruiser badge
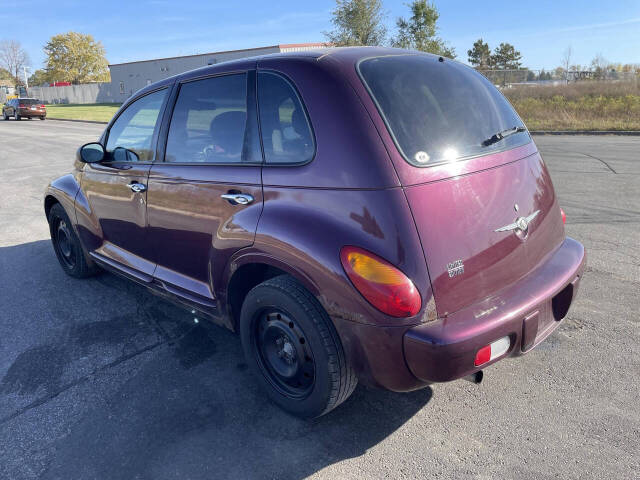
(521, 224)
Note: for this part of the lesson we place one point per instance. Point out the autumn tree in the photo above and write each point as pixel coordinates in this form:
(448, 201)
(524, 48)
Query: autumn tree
(506, 57)
(76, 58)
(13, 58)
(480, 55)
(357, 22)
(420, 31)
(39, 77)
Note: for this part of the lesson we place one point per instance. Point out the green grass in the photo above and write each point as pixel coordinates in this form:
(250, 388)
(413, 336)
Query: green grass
(100, 112)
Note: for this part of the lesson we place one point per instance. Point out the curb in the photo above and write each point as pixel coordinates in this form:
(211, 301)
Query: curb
(79, 121)
(585, 132)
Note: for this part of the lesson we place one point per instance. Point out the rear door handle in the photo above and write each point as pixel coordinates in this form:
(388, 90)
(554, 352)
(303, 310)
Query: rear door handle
(238, 198)
(137, 187)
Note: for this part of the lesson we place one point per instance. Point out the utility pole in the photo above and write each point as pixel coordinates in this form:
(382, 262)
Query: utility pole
(26, 81)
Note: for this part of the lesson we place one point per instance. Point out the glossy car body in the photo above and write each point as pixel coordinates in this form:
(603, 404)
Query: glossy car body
(182, 240)
(24, 108)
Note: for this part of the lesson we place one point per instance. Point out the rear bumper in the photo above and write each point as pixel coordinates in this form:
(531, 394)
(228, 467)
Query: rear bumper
(25, 112)
(527, 312)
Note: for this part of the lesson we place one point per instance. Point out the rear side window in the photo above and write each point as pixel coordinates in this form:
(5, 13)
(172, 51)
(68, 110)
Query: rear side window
(131, 135)
(209, 123)
(286, 132)
(439, 111)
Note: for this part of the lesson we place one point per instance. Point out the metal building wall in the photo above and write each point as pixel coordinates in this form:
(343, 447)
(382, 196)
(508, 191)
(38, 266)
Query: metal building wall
(127, 78)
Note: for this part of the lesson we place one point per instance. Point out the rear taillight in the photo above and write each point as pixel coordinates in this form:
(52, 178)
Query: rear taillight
(564, 217)
(492, 351)
(382, 284)
(41, 106)
(22, 106)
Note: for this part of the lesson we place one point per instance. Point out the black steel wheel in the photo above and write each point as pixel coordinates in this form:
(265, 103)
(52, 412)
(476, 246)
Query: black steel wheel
(63, 243)
(291, 345)
(284, 355)
(67, 245)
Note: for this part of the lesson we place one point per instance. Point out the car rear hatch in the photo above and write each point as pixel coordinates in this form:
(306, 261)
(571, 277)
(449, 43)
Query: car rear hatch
(480, 194)
(32, 105)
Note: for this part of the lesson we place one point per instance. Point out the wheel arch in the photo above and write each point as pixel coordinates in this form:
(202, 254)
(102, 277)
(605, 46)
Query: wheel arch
(250, 268)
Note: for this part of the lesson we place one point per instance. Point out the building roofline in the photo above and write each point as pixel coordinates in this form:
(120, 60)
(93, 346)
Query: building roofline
(284, 45)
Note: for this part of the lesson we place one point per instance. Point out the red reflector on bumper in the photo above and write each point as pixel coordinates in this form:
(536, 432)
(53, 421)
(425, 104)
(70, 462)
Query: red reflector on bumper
(492, 351)
(483, 355)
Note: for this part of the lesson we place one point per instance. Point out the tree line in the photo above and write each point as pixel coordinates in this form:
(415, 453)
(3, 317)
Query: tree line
(70, 57)
(361, 22)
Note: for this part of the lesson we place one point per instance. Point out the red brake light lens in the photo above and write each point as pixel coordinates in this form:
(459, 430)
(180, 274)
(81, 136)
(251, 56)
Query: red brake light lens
(564, 217)
(382, 284)
(22, 106)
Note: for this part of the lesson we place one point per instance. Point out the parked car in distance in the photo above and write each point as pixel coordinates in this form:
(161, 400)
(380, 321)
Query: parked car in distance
(355, 214)
(20, 108)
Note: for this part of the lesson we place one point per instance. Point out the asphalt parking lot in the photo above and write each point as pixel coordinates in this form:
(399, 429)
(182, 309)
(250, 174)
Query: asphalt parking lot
(100, 379)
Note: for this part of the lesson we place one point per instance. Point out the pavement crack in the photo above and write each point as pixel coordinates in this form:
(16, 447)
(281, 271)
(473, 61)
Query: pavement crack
(600, 160)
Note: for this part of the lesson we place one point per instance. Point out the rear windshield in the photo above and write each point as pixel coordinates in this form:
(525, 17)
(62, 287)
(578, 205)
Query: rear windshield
(30, 101)
(439, 111)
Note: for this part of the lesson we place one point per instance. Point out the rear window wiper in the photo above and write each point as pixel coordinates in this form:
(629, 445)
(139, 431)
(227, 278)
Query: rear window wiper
(503, 134)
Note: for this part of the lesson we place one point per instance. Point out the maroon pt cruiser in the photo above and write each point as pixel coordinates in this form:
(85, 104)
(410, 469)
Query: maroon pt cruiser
(355, 214)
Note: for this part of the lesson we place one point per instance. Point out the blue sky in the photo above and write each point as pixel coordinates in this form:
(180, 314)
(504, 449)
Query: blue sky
(143, 29)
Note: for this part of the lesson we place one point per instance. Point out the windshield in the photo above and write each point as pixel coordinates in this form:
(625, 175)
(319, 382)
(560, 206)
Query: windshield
(440, 111)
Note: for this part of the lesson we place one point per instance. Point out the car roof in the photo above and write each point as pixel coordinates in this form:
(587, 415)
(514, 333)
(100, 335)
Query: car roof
(347, 56)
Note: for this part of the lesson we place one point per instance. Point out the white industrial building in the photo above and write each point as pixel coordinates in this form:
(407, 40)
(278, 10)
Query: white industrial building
(127, 78)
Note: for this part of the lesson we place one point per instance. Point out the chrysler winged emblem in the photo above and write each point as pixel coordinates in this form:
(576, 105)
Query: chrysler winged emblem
(520, 225)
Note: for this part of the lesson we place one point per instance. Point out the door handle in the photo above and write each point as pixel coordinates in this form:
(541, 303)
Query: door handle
(238, 198)
(137, 187)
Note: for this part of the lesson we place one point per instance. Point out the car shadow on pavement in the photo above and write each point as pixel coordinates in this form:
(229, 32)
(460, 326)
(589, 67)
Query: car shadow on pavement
(101, 379)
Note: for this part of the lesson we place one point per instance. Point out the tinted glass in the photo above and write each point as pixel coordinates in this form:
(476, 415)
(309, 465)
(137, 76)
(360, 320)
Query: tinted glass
(286, 132)
(439, 111)
(30, 101)
(131, 135)
(209, 123)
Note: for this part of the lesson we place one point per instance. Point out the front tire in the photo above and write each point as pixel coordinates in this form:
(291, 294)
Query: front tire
(67, 246)
(43, 118)
(293, 348)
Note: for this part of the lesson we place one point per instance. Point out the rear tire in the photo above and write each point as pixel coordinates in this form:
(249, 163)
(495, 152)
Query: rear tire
(293, 348)
(67, 246)
(43, 118)
(17, 117)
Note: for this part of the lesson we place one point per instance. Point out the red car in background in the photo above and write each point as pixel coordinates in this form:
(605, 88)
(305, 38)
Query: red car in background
(20, 108)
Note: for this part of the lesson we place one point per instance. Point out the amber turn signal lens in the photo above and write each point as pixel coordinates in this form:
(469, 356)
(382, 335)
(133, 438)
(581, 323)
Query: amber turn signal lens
(382, 284)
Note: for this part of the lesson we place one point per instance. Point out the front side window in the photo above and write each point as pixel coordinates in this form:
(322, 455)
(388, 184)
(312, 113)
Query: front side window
(440, 111)
(211, 123)
(131, 135)
(286, 132)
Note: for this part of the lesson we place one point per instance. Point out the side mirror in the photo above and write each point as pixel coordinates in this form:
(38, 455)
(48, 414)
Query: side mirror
(91, 153)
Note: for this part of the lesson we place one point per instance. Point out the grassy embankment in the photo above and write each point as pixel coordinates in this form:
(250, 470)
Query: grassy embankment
(578, 106)
(100, 112)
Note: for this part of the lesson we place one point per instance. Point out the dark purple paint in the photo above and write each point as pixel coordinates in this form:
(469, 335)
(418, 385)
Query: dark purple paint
(180, 239)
